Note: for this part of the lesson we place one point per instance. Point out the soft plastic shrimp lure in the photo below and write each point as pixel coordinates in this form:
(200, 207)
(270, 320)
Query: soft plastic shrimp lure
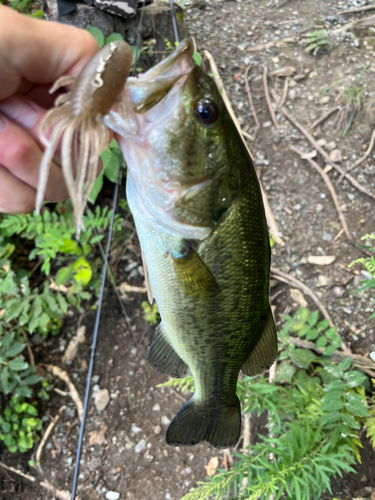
(77, 119)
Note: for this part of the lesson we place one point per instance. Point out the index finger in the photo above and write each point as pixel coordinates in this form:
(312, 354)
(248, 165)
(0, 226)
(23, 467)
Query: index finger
(38, 52)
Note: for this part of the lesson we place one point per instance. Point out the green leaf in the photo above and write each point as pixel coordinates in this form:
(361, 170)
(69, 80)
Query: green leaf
(15, 349)
(113, 37)
(14, 311)
(332, 405)
(313, 319)
(97, 34)
(83, 271)
(302, 357)
(111, 162)
(64, 275)
(197, 58)
(18, 364)
(345, 364)
(70, 246)
(329, 350)
(354, 378)
(62, 303)
(356, 406)
(331, 332)
(44, 321)
(97, 187)
(32, 379)
(321, 342)
(285, 372)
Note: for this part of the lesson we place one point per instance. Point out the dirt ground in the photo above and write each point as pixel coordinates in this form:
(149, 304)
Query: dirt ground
(124, 450)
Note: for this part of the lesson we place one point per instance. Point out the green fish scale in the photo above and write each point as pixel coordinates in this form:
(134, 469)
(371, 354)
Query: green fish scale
(214, 335)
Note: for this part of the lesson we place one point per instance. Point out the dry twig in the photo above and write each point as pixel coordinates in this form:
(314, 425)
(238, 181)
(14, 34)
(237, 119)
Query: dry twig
(275, 43)
(61, 494)
(307, 134)
(268, 99)
(46, 435)
(367, 153)
(73, 393)
(358, 9)
(324, 117)
(28, 346)
(255, 116)
(291, 280)
(281, 103)
(331, 189)
(246, 432)
(365, 364)
(360, 23)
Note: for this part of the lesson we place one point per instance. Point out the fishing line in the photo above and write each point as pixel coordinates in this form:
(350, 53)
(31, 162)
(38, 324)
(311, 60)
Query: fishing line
(105, 267)
(94, 340)
(177, 40)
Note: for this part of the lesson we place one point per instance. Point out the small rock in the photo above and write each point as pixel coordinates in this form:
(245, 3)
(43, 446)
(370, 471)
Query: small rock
(323, 196)
(156, 407)
(372, 356)
(319, 208)
(133, 351)
(165, 420)
(327, 237)
(325, 99)
(96, 379)
(101, 399)
(335, 155)
(322, 143)
(129, 445)
(364, 492)
(157, 429)
(330, 146)
(292, 83)
(292, 94)
(140, 446)
(297, 295)
(168, 496)
(323, 280)
(321, 260)
(112, 495)
(267, 124)
(351, 196)
(135, 429)
(297, 207)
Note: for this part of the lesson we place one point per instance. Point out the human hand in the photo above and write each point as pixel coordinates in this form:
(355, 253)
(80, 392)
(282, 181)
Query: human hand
(33, 54)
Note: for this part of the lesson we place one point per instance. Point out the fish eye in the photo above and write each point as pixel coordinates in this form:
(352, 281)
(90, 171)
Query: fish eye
(206, 111)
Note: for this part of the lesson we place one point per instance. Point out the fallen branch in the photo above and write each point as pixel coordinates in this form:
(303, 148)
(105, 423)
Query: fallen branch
(324, 117)
(275, 43)
(61, 494)
(331, 189)
(215, 73)
(267, 94)
(367, 153)
(73, 393)
(246, 432)
(46, 435)
(291, 280)
(287, 278)
(281, 103)
(308, 136)
(255, 116)
(360, 23)
(358, 9)
(365, 364)
(28, 346)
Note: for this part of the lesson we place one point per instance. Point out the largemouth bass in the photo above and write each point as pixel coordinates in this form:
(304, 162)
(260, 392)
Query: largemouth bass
(197, 205)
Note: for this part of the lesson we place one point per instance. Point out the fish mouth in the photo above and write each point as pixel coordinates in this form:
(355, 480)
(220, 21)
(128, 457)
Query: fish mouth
(150, 88)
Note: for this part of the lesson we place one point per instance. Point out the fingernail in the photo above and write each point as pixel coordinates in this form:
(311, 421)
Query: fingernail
(2, 123)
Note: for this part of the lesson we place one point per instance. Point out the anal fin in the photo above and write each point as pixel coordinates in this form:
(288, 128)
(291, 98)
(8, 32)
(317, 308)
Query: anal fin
(163, 358)
(263, 354)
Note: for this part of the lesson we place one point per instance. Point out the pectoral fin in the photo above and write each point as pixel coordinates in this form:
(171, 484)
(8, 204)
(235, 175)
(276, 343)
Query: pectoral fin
(164, 359)
(194, 277)
(264, 353)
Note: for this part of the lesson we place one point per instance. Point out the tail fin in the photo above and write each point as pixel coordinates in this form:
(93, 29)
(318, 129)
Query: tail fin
(196, 422)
